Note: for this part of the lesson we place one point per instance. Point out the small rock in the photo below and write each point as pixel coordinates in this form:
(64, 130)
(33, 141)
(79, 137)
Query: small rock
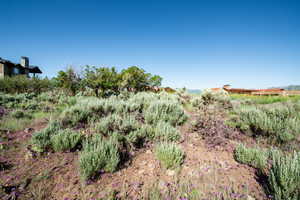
(151, 166)
(143, 163)
(28, 130)
(162, 184)
(250, 197)
(148, 151)
(141, 171)
(170, 172)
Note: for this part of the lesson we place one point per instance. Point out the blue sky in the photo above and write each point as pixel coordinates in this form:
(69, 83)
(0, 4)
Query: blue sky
(196, 44)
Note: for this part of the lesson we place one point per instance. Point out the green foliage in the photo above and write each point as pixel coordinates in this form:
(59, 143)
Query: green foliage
(116, 123)
(18, 114)
(165, 132)
(208, 97)
(42, 139)
(21, 84)
(103, 80)
(135, 79)
(280, 122)
(69, 80)
(13, 124)
(167, 111)
(251, 156)
(180, 191)
(98, 154)
(284, 177)
(65, 140)
(255, 99)
(170, 155)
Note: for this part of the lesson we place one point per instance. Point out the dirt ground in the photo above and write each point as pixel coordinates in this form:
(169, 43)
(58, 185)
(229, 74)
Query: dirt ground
(210, 168)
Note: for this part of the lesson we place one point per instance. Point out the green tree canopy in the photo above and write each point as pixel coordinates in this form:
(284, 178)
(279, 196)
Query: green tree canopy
(104, 80)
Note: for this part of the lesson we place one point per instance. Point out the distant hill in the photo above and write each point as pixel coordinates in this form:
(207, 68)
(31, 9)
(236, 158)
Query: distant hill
(290, 87)
(194, 91)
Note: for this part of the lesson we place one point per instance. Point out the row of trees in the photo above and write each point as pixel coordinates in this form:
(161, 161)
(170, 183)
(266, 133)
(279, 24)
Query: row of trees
(103, 81)
(22, 84)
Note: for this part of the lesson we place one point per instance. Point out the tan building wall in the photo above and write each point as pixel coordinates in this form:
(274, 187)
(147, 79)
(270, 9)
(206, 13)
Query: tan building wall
(1, 70)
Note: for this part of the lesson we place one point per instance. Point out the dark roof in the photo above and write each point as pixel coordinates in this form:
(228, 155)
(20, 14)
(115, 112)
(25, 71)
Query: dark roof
(32, 69)
(35, 69)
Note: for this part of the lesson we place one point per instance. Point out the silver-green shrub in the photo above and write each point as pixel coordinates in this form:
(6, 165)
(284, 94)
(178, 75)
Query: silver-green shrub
(167, 111)
(280, 122)
(251, 156)
(98, 154)
(65, 140)
(169, 154)
(209, 97)
(116, 123)
(165, 132)
(41, 139)
(284, 177)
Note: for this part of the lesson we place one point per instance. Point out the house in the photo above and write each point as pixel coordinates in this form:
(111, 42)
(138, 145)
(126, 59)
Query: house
(8, 68)
(274, 91)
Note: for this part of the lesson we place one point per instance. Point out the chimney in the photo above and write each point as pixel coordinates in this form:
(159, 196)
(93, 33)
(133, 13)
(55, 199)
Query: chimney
(24, 61)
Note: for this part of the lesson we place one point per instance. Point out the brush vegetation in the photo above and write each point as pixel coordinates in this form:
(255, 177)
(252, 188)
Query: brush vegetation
(170, 155)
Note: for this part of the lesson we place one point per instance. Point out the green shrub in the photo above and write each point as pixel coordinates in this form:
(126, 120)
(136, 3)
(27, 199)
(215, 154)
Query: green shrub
(75, 114)
(169, 154)
(165, 132)
(21, 84)
(284, 178)
(98, 154)
(65, 140)
(117, 123)
(41, 139)
(170, 112)
(251, 156)
(208, 97)
(279, 122)
(18, 114)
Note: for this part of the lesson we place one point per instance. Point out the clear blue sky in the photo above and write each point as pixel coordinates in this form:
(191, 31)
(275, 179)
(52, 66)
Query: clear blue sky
(196, 44)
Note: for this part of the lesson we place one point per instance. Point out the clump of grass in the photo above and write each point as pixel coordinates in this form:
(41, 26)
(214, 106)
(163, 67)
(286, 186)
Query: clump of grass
(284, 178)
(98, 154)
(251, 156)
(13, 124)
(65, 140)
(170, 155)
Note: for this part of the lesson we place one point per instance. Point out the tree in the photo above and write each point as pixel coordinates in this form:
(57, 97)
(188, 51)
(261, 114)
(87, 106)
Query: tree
(155, 81)
(135, 79)
(69, 80)
(104, 81)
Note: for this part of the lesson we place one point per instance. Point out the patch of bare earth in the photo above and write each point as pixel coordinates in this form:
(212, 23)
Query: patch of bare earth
(56, 175)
